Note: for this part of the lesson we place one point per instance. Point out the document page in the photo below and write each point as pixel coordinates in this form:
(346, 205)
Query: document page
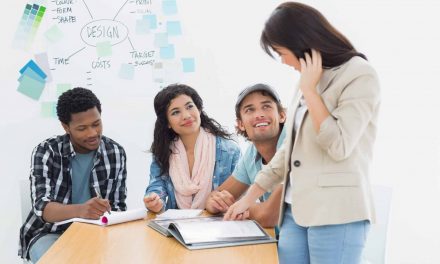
(179, 213)
(110, 219)
(212, 231)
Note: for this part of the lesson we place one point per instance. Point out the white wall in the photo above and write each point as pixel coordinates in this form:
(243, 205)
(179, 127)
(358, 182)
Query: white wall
(401, 40)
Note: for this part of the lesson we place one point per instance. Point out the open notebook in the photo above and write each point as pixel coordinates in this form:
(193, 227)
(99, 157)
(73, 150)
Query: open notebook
(110, 219)
(212, 232)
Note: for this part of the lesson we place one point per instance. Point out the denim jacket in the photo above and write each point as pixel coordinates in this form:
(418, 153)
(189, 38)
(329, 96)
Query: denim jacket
(227, 154)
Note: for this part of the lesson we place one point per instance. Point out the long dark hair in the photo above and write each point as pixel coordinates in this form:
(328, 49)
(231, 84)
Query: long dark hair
(163, 135)
(300, 28)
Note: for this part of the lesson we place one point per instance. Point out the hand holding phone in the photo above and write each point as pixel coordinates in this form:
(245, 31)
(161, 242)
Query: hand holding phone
(311, 71)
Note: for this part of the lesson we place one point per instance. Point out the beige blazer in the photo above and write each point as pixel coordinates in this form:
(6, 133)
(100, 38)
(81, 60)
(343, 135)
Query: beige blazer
(328, 171)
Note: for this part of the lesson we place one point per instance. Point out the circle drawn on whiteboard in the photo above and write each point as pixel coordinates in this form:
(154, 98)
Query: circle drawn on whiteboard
(104, 30)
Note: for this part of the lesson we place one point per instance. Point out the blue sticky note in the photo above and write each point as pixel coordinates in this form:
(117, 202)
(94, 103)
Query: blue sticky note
(188, 64)
(142, 27)
(104, 49)
(160, 40)
(32, 74)
(152, 21)
(173, 28)
(126, 71)
(169, 7)
(167, 52)
(31, 87)
(35, 68)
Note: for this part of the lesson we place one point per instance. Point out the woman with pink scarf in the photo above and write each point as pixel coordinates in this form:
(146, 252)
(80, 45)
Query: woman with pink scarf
(192, 153)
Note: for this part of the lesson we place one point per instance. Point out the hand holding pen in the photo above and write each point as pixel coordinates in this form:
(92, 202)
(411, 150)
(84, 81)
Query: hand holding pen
(98, 194)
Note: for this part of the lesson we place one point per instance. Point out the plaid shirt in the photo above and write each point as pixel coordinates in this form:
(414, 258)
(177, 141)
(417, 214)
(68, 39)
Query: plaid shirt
(51, 181)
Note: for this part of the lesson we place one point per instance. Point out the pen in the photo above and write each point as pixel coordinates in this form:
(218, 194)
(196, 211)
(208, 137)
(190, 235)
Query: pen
(98, 194)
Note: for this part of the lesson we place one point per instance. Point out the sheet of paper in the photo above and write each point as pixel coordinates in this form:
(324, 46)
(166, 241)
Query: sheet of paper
(196, 232)
(129, 215)
(82, 220)
(111, 219)
(179, 213)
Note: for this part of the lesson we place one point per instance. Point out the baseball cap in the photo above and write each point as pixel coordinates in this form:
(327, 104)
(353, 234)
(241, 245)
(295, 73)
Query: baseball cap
(256, 87)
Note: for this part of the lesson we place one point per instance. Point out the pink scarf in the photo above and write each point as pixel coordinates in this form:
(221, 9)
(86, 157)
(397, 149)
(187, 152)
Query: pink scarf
(192, 190)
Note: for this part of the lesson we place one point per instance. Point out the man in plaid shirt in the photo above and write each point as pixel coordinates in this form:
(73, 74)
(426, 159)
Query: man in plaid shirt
(66, 170)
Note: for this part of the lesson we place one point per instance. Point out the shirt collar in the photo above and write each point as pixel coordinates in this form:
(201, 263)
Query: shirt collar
(279, 143)
(68, 149)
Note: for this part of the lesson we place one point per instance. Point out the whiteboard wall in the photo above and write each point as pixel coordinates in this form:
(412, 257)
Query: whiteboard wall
(399, 37)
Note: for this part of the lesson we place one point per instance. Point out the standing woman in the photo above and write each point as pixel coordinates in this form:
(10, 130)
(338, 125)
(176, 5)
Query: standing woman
(324, 163)
(192, 154)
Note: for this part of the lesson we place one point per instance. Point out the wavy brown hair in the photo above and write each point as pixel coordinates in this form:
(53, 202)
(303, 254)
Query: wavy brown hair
(163, 135)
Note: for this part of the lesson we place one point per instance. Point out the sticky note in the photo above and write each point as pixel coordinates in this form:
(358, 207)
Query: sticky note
(54, 34)
(104, 49)
(31, 87)
(48, 109)
(43, 61)
(169, 7)
(188, 64)
(152, 21)
(167, 52)
(32, 74)
(62, 87)
(35, 68)
(126, 71)
(142, 27)
(173, 28)
(160, 40)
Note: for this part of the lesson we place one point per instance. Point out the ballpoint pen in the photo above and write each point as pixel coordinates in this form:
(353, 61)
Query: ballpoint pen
(98, 194)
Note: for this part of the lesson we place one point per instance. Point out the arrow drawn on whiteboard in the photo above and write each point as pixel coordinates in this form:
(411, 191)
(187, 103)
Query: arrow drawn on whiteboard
(130, 43)
(76, 52)
(88, 9)
(120, 9)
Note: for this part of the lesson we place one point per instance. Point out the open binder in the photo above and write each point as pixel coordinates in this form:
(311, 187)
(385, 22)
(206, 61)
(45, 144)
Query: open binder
(212, 232)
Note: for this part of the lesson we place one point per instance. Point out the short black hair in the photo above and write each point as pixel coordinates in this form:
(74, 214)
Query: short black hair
(75, 101)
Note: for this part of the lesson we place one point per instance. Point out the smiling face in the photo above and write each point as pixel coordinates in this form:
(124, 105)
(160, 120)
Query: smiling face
(183, 116)
(287, 57)
(259, 117)
(85, 130)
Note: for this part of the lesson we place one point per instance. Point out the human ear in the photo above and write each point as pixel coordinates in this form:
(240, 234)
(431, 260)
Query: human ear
(240, 125)
(66, 128)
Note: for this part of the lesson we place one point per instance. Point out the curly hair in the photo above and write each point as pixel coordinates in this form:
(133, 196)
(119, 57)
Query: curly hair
(74, 101)
(163, 135)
